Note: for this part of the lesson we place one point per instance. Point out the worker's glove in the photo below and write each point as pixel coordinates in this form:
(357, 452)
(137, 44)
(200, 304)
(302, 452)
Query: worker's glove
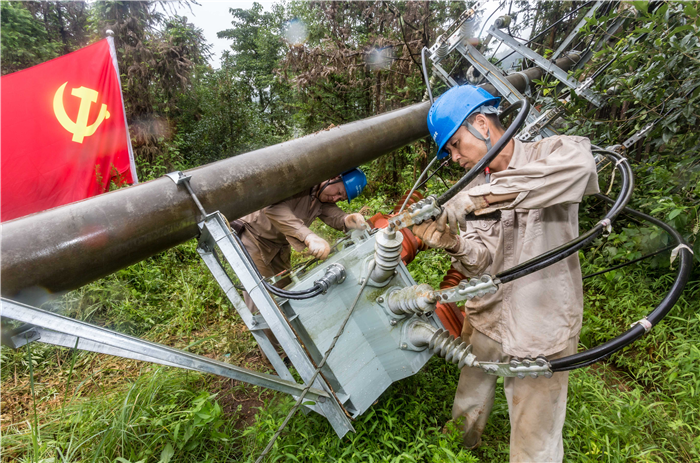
(355, 221)
(318, 247)
(431, 235)
(456, 209)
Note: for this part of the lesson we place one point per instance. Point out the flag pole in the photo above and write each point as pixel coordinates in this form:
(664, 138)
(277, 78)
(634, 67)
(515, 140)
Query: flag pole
(113, 53)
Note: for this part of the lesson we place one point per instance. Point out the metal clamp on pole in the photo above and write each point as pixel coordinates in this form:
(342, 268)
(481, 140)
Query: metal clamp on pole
(181, 178)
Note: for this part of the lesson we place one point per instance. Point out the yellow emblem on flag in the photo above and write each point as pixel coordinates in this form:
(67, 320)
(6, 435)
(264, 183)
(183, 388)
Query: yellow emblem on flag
(80, 128)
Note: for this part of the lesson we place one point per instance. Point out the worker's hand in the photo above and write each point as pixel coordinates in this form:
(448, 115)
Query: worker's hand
(456, 209)
(431, 235)
(318, 247)
(355, 221)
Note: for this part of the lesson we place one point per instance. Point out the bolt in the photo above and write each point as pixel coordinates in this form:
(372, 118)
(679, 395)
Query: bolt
(541, 361)
(404, 346)
(513, 363)
(521, 375)
(533, 375)
(380, 299)
(547, 374)
(462, 285)
(321, 399)
(527, 362)
(393, 322)
(444, 296)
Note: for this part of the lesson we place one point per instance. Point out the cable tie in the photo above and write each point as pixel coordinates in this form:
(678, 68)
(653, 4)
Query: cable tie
(677, 250)
(620, 161)
(607, 225)
(646, 324)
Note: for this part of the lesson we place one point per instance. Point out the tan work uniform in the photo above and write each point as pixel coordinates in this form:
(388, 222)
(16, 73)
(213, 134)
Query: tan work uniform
(270, 231)
(540, 313)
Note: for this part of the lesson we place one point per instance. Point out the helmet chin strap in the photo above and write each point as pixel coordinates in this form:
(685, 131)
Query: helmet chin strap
(482, 110)
(478, 135)
(323, 186)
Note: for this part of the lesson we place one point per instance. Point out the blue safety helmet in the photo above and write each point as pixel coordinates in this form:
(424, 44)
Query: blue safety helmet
(355, 181)
(452, 108)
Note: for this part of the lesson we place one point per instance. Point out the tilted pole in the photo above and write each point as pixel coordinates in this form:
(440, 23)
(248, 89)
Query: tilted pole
(69, 246)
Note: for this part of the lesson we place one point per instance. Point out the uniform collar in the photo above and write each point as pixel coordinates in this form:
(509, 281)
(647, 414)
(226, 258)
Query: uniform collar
(519, 157)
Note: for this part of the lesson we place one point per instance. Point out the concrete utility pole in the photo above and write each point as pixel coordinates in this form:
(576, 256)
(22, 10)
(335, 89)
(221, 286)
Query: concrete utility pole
(69, 246)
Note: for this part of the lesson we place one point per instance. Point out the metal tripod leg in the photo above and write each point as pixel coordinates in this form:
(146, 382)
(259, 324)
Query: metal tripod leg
(114, 343)
(254, 325)
(215, 233)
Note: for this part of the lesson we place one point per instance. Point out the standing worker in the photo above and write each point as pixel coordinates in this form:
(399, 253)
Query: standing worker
(268, 233)
(537, 186)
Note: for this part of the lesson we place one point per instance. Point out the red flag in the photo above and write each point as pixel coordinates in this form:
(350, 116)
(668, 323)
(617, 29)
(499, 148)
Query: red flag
(64, 132)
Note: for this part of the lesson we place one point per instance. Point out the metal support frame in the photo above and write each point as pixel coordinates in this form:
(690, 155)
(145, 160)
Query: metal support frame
(546, 65)
(574, 32)
(215, 234)
(494, 75)
(498, 79)
(51, 328)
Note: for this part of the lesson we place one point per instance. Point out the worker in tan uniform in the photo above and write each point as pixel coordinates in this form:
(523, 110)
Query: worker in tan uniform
(268, 233)
(537, 186)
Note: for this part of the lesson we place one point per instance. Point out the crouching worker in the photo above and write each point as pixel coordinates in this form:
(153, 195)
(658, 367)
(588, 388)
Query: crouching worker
(268, 233)
(537, 186)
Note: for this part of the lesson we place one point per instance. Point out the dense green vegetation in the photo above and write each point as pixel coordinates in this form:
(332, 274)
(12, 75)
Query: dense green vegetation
(639, 405)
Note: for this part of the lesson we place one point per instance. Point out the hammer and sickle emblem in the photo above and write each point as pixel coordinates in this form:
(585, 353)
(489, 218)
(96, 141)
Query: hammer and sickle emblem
(80, 128)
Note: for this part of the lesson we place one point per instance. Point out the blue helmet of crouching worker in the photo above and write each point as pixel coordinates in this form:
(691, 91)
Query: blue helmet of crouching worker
(354, 181)
(452, 109)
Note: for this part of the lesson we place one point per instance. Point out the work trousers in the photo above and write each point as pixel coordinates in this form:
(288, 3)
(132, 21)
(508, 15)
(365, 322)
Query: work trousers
(280, 262)
(537, 406)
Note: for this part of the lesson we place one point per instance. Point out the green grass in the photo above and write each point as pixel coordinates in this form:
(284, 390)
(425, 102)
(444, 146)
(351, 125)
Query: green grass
(640, 406)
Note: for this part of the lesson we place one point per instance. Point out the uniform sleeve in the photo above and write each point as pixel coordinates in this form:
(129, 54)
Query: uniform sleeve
(565, 175)
(333, 216)
(472, 257)
(283, 219)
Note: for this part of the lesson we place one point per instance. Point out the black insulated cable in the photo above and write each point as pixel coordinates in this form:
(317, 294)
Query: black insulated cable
(608, 348)
(425, 75)
(304, 294)
(561, 252)
(633, 261)
(524, 106)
